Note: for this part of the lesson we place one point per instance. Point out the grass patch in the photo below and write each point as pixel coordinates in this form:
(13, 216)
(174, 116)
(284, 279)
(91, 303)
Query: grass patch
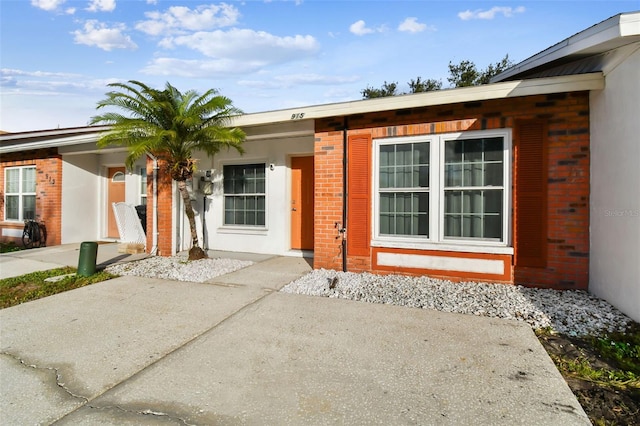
(17, 290)
(623, 349)
(7, 247)
(602, 371)
(581, 368)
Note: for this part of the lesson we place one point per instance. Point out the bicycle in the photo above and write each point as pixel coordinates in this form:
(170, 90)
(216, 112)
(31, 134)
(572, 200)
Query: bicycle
(34, 234)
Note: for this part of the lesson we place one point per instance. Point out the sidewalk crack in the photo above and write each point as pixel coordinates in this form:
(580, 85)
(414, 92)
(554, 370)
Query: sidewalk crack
(58, 375)
(145, 412)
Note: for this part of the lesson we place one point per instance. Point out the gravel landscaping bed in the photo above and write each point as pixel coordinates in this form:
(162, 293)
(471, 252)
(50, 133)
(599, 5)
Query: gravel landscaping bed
(574, 313)
(178, 268)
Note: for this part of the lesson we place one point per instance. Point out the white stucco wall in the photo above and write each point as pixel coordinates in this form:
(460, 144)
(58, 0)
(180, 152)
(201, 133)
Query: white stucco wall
(614, 264)
(84, 193)
(275, 237)
(80, 197)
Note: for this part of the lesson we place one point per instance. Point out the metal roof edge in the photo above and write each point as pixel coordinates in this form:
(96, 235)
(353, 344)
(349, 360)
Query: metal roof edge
(616, 27)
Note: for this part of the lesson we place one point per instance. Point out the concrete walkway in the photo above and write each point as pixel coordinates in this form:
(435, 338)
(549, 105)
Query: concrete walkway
(133, 351)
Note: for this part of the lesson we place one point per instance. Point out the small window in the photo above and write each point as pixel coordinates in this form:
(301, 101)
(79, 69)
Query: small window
(143, 186)
(117, 177)
(473, 188)
(20, 193)
(404, 189)
(244, 194)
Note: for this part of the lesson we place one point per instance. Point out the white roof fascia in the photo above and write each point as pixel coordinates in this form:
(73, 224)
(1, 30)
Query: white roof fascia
(52, 132)
(50, 143)
(510, 89)
(592, 40)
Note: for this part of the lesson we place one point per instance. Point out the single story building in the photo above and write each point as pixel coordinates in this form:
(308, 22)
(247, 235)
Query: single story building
(532, 179)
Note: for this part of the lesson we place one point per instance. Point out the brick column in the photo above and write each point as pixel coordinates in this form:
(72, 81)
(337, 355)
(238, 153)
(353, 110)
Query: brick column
(328, 154)
(165, 199)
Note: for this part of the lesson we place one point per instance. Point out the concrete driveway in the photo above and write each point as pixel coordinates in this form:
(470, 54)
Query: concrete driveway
(236, 351)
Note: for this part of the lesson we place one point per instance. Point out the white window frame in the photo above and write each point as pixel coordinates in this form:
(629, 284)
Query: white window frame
(142, 188)
(20, 194)
(247, 228)
(436, 239)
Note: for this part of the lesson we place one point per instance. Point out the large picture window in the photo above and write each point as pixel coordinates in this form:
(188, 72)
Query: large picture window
(244, 194)
(443, 189)
(20, 193)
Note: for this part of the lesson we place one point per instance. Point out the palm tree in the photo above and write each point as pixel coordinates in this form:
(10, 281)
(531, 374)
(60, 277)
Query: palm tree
(170, 125)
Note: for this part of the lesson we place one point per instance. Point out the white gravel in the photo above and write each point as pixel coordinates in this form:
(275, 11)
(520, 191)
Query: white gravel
(178, 268)
(576, 313)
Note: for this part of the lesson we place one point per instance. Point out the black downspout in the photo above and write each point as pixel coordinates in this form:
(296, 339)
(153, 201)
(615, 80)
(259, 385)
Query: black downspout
(344, 194)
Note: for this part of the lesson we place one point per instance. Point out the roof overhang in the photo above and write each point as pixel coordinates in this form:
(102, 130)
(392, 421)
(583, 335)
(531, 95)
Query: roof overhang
(54, 138)
(615, 32)
(299, 121)
(511, 89)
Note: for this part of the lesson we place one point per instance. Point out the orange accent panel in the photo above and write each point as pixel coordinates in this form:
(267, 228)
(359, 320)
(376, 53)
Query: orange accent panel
(115, 194)
(302, 203)
(358, 195)
(530, 236)
(506, 277)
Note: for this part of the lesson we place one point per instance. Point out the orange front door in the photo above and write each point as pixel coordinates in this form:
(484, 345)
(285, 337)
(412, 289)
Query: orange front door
(302, 195)
(115, 194)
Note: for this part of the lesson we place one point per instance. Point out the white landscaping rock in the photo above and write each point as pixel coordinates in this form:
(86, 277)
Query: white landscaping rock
(178, 268)
(572, 312)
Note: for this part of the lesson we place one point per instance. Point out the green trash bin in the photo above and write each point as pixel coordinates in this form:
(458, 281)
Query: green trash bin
(87, 261)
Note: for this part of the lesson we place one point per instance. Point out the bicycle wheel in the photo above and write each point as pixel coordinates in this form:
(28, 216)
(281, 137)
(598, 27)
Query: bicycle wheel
(35, 234)
(43, 235)
(27, 242)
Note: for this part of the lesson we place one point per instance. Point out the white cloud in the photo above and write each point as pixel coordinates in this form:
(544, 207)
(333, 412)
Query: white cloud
(195, 68)
(178, 19)
(22, 73)
(102, 6)
(98, 34)
(491, 13)
(247, 45)
(152, 1)
(16, 81)
(287, 81)
(411, 25)
(70, 10)
(360, 28)
(48, 5)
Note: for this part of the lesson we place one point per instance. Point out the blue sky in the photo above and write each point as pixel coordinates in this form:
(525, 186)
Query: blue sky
(57, 56)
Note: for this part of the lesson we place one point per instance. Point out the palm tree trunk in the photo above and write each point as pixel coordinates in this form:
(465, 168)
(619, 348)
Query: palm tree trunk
(196, 251)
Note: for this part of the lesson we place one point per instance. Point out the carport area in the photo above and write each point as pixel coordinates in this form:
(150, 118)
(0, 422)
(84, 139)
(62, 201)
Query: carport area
(236, 351)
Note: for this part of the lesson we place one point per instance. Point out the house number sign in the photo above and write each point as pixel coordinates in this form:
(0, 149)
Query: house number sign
(297, 116)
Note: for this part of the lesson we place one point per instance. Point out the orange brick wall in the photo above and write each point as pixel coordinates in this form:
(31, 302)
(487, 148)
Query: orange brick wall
(165, 218)
(328, 155)
(567, 116)
(48, 190)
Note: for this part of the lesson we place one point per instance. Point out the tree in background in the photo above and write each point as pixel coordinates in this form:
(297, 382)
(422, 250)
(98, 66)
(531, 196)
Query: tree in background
(463, 74)
(170, 125)
(387, 89)
(420, 86)
(466, 74)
